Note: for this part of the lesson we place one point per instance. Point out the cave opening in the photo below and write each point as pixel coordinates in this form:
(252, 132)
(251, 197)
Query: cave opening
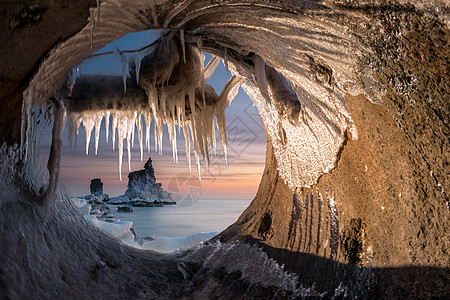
(208, 202)
(341, 122)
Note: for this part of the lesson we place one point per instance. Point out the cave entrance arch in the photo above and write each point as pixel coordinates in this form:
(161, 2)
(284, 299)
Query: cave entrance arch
(321, 63)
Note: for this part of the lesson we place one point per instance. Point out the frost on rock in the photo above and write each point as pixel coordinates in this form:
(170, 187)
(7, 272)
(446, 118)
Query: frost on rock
(142, 185)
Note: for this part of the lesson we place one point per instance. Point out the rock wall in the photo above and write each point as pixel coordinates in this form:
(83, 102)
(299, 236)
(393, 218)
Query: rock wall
(28, 31)
(372, 210)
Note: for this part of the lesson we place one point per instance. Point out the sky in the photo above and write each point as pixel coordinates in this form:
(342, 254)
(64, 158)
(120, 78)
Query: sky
(246, 147)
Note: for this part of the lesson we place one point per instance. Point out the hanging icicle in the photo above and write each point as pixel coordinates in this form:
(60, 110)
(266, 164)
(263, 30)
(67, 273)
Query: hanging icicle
(191, 108)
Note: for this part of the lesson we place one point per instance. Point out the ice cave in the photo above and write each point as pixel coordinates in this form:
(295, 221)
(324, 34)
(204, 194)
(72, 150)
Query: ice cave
(354, 98)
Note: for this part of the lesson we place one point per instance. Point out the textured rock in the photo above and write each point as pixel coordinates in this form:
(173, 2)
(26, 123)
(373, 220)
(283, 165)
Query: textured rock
(31, 27)
(96, 187)
(371, 212)
(377, 222)
(142, 185)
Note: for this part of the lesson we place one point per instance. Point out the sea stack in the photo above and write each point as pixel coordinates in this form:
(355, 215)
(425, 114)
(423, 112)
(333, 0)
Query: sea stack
(96, 187)
(142, 185)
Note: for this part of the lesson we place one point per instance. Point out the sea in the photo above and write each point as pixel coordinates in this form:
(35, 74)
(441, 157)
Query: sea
(205, 215)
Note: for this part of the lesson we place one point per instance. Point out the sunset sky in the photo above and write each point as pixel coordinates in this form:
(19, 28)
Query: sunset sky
(246, 144)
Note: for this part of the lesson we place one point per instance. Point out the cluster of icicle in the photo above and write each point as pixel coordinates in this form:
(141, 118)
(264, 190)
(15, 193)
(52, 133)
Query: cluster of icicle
(163, 107)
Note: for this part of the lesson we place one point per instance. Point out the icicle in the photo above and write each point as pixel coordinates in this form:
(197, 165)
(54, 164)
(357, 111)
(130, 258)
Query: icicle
(98, 123)
(203, 80)
(174, 144)
(193, 115)
(88, 124)
(123, 60)
(160, 139)
(129, 150)
(158, 133)
(180, 103)
(227, 95)
(137, 65)
(213, 135)
(73, 126)
(132, 131)
(114, 127)
(140, 132)
(173, 139)
(187, 145)
(183, 45)
(167, 107)
(211, 67)
(225, 61)
(148, 121)
(33, 135)
(260, 76)
(108, 113)
(196, 153)
(220, 120)
(121, 133)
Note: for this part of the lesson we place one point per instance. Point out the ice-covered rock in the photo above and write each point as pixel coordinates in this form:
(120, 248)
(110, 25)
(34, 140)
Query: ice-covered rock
(78, 202)
(142, 186)
(119, 200)
(84, 210)
(118, 229)
(171, 244)
(81, 205)
(93, 199)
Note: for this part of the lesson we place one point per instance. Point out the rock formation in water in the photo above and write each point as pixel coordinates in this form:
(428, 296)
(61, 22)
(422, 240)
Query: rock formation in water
(142, 185)
(96, 187)
(354, 197)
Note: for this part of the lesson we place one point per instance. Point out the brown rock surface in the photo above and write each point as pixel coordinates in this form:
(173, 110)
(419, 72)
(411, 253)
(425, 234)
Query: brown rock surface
(391, 213)
(28, 31)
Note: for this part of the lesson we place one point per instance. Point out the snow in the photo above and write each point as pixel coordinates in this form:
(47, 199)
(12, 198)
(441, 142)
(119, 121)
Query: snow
(171, 244)
(84, 210)
(119, 200)
(81, 205)
(78, 202)
(119, 229)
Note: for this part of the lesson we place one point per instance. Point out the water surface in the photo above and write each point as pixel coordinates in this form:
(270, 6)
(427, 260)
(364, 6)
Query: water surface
(178, 220)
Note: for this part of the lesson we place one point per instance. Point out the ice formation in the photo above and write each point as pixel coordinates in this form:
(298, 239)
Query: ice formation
(171, 244)
(119, 229)
(306, 136)
(182, 104)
